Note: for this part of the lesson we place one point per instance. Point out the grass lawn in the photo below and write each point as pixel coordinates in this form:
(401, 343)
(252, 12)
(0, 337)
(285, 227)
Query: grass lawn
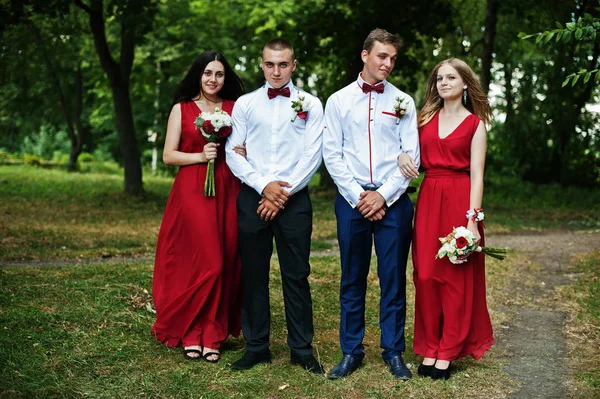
(82, 330)
(583, 324)
(53, 215)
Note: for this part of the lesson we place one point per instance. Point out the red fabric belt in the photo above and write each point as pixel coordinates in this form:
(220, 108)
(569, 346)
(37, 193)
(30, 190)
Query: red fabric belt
(441, 172)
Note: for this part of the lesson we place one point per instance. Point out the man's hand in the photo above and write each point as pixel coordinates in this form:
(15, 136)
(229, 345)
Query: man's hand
(267, 210)
(377, 216)
(370, 203)
(275, 193)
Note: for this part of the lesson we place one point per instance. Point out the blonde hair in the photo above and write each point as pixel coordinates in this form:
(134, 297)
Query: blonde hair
(477, 102)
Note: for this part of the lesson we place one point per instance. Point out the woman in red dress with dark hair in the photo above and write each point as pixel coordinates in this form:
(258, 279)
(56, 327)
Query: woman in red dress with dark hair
(196, 282)
(451, 315)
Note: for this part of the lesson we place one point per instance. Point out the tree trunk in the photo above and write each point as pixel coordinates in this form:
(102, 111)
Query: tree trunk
(491, 17)
(82, 132)
(74, 138)
(118, 75)
(127, 140)
(510, 112)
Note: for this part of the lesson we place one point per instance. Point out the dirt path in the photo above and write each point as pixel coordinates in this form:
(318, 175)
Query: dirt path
(533, 343)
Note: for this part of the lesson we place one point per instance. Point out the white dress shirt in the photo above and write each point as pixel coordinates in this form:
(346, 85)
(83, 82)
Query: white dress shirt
(363, 137)
(276, 147)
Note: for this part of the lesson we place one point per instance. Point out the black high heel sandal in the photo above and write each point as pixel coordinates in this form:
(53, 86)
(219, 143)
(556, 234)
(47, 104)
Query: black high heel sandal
(187, 352)
(425, 370)
(207, 355)
(439, 374)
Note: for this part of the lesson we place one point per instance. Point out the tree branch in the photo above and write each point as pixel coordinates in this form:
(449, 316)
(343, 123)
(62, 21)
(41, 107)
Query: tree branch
(55, 82)
(96, 12)
(584, 97)
(84, 7)
(128, 30)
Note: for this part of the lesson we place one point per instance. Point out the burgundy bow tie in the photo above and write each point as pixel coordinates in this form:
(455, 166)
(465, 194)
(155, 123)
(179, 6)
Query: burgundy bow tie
(272, 93)
(377, 88)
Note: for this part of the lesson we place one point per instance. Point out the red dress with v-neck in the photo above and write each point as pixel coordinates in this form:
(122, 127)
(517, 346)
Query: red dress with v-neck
(196, 283)
(451, 315)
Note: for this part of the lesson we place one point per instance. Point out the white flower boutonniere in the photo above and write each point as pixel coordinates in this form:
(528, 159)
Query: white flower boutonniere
(298, 106)
(400, 108)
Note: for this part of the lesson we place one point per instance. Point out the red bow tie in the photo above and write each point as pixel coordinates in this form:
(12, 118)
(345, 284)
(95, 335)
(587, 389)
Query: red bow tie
(272, 93)
(377, 88)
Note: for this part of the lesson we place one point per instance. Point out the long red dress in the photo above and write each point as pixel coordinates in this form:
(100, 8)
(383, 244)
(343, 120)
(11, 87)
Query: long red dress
(451, 315)
(197, 284)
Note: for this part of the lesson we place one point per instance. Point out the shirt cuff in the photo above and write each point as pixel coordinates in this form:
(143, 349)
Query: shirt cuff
(389, 194)
(260, 185)
(354, 195)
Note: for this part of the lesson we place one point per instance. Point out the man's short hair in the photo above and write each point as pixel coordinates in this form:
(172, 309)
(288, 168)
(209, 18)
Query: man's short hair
(280, 45)
(382, 36)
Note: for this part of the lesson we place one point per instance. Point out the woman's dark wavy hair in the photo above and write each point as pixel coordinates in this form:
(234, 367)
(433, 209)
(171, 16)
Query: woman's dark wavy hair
(190, 86)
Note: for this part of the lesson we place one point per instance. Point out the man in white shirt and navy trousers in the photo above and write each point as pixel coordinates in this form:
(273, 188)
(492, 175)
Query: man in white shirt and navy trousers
(367, 125)
(282, 127)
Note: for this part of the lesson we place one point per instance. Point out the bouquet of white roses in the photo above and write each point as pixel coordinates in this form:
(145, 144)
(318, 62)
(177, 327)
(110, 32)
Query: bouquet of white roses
(460, 243)
(214, 126)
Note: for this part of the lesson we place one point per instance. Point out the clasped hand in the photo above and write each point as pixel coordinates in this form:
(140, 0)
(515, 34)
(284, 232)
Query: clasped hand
(371, 205)
(274, 200)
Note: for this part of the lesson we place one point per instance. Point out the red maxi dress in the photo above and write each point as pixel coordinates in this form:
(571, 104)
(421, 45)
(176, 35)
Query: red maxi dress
(451, 315)
(197, 272)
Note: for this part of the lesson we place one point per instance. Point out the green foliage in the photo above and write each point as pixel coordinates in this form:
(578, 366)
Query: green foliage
(548, 134)
(86, 157)
(585, 28)
(531, 142)
(48, 144)
(34, 160)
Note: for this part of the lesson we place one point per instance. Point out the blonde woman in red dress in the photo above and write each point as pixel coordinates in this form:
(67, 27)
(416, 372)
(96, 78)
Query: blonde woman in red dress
(451, 315)
(196, 284)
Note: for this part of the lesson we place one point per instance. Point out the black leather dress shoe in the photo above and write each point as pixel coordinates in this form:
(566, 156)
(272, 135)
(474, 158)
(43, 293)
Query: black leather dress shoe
(439, 374)
(346, 366)
(251, 359)
(398, 368)
(425, 370)
(308, 363)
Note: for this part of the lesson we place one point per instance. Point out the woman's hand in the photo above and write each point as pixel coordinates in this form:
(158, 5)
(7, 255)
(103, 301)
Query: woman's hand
(473, 228)
(407, 166)
(240, 149)
(210, 151)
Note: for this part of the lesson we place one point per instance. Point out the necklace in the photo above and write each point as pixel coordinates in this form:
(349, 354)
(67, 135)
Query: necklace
(208, 99)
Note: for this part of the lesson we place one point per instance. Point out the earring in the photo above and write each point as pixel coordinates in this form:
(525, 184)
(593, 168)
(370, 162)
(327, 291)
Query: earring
(464, 96)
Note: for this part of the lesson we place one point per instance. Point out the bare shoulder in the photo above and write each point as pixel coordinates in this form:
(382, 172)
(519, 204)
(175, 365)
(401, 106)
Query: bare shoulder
(176, 110)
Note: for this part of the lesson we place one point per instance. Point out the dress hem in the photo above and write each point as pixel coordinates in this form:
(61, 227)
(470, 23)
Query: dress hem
(476, 353)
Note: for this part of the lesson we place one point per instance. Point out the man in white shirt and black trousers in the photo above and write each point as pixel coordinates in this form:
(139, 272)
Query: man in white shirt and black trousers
(282, 127)
(367, 125)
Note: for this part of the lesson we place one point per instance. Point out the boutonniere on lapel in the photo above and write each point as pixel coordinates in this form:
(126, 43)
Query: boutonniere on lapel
(298, 107)
(400, 108)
